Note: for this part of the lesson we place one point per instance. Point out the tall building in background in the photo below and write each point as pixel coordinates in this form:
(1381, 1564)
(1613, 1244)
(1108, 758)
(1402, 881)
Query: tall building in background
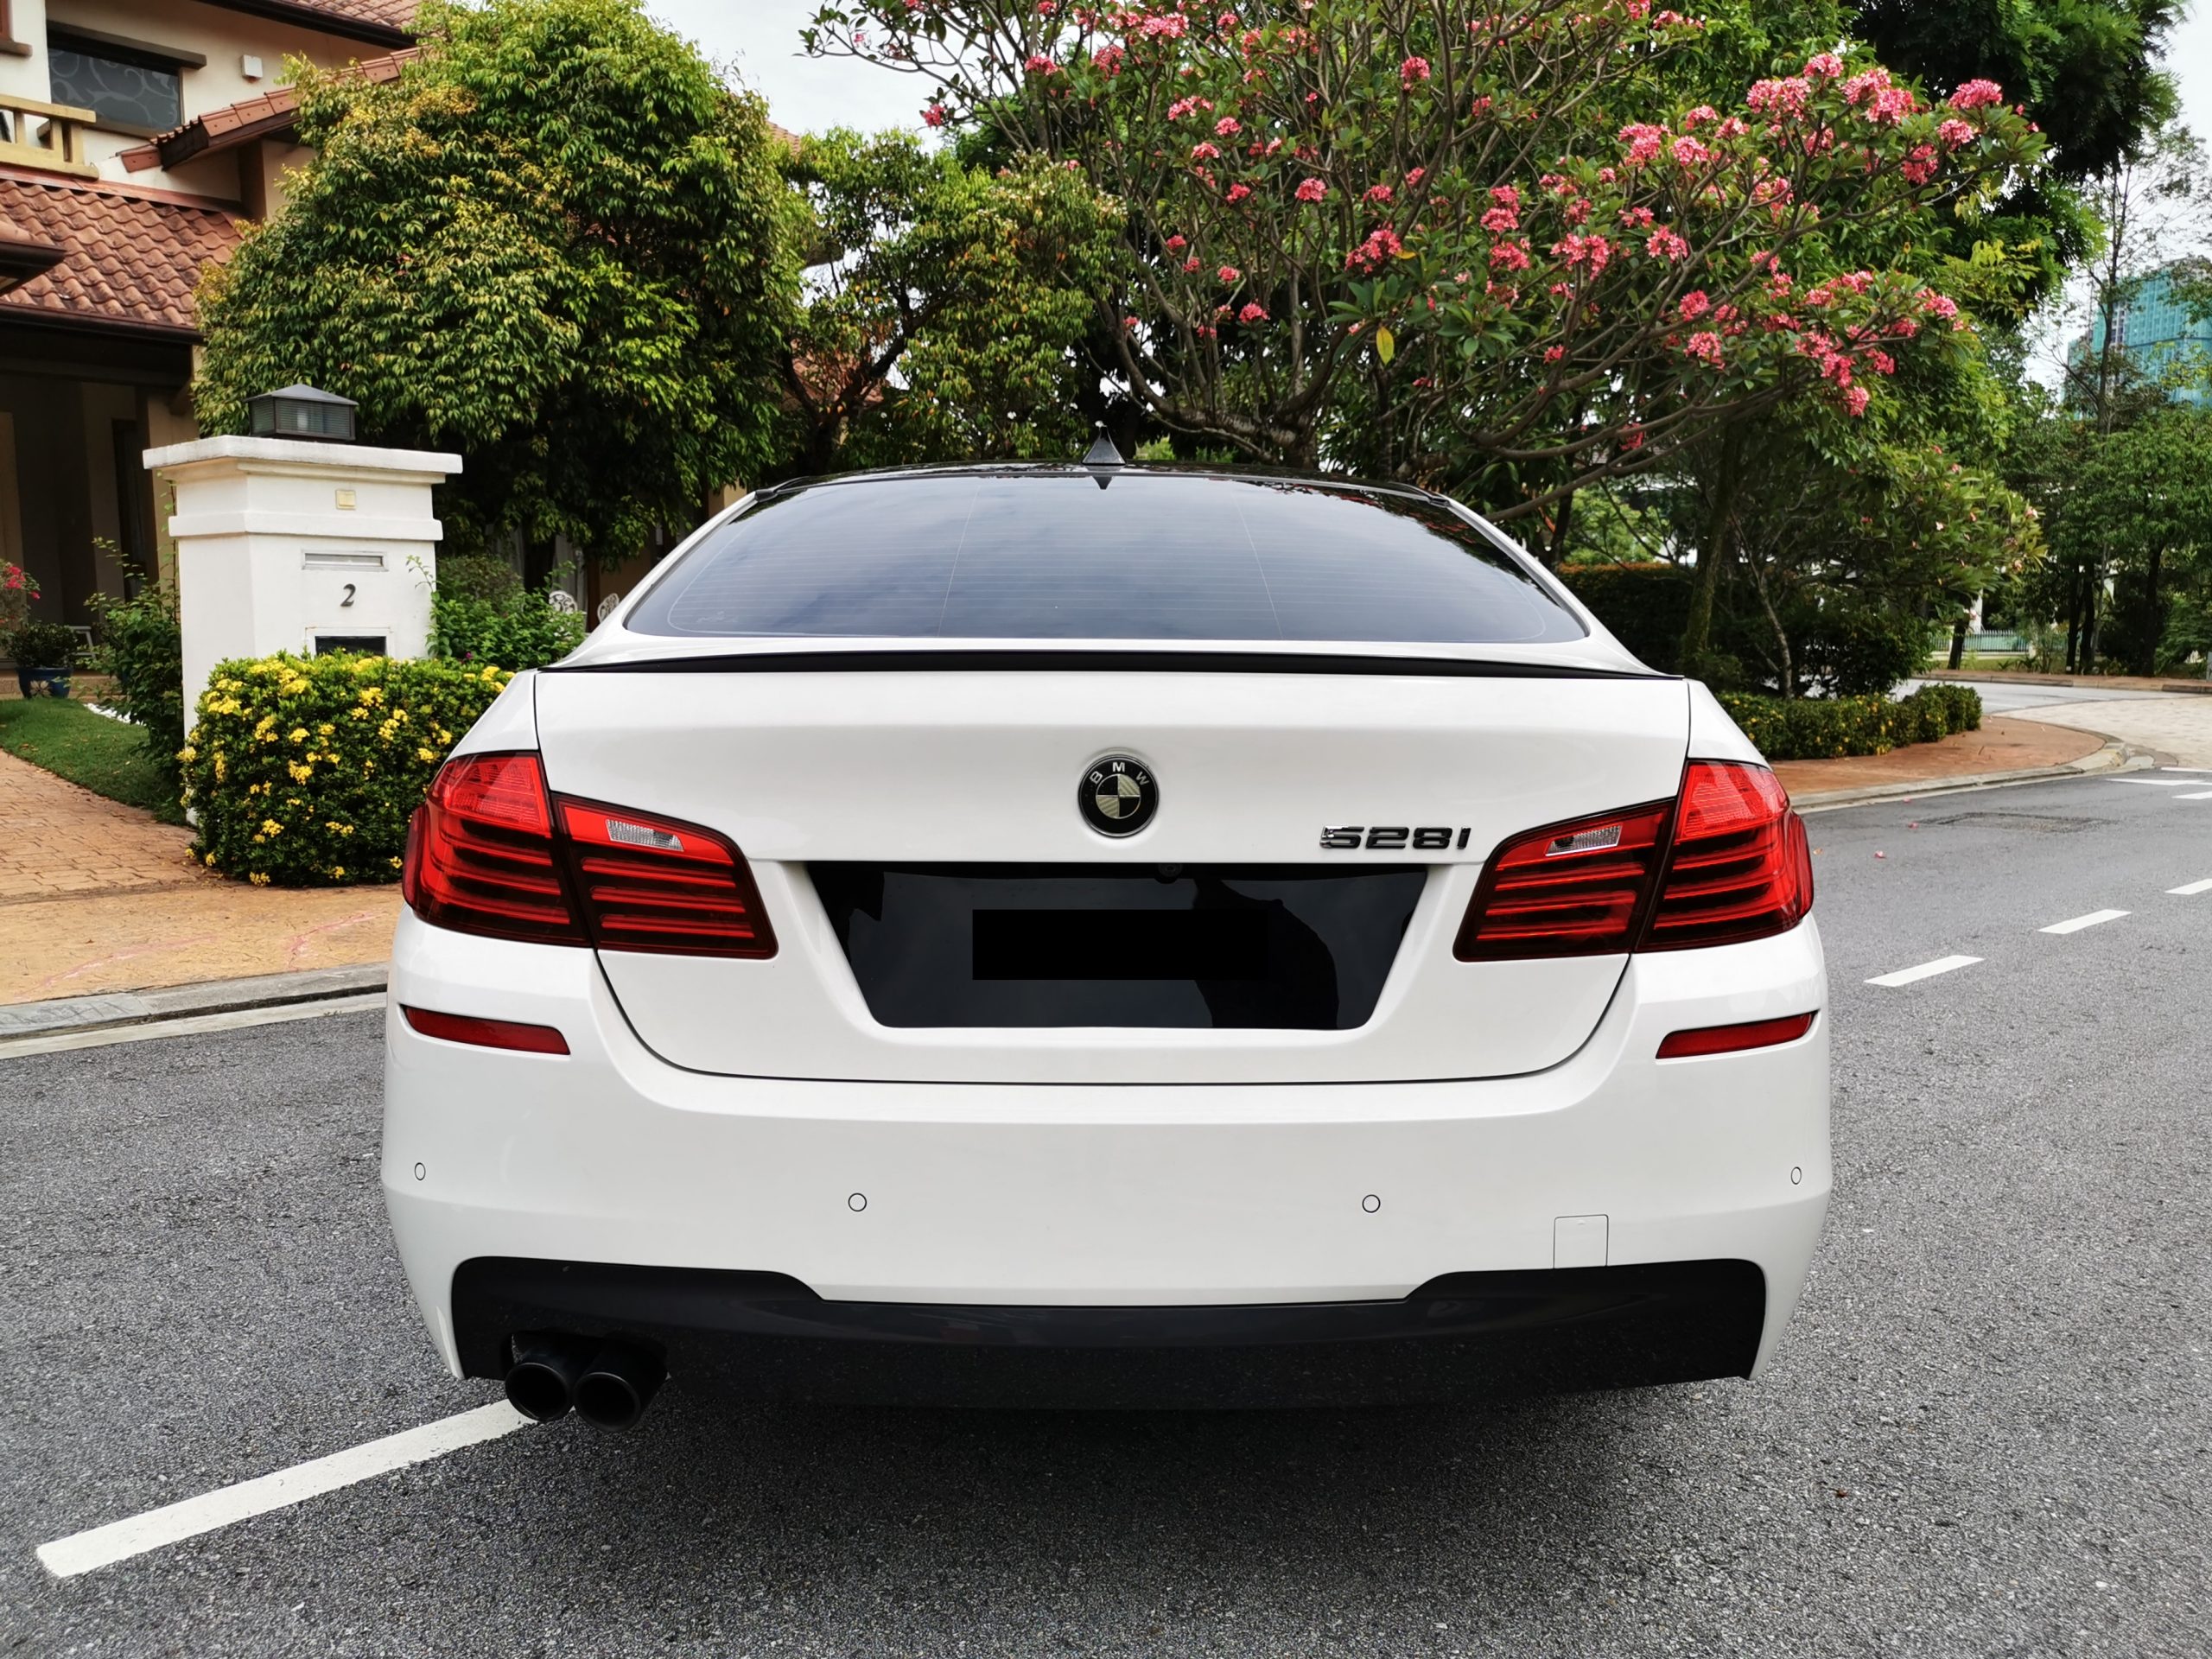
(2161, 339)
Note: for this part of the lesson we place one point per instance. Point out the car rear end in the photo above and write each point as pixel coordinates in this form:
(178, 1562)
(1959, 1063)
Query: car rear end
(1199, 941)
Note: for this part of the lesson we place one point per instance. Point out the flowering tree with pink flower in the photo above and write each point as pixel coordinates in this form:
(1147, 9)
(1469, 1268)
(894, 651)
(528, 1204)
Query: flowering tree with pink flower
(1469, 243)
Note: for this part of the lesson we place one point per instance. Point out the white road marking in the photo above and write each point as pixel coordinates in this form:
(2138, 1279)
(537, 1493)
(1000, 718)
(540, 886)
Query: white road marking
(1926, 971)
(119, 1540)
(2078, 923)
(2201, 795)
(2193, 888)
(2155, 783)
(236, 1020)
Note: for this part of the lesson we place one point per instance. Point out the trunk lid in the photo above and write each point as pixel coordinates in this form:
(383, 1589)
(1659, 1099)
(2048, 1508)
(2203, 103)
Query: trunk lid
(886, 813)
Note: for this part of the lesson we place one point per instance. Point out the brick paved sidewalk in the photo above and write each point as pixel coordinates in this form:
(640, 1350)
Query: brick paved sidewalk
(96, 896)
(2003, 743)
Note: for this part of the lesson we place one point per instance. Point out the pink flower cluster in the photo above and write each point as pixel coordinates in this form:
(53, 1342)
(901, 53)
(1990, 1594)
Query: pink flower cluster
(1667, 244)
(1977, 94)
(1780, 97)
(1252, 312)
(1413, 70)
(1576, 251)
(934, 116)
(1955, 133)
(1705, 346)
(1312, 190)
(1643, 140)
(1381, 244)
(1038, 64)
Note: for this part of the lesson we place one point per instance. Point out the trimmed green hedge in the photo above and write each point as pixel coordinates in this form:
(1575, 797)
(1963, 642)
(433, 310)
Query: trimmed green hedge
(1827, 729)
(303, 772)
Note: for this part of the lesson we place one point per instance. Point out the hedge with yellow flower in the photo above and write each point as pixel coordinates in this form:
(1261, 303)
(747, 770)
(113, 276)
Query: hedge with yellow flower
(303, 772)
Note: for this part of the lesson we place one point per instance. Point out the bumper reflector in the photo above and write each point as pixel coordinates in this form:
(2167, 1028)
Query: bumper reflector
(486, 1034)
(1728, 1039)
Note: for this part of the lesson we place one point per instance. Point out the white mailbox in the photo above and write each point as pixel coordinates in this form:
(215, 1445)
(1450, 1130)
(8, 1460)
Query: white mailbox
(284, 545)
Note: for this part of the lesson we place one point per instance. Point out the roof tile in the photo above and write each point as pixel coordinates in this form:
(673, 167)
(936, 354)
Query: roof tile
(127, 256)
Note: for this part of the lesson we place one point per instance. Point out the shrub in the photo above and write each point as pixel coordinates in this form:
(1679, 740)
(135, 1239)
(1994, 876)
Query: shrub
(478, 575)
(42, 644)
(142, 645)
(521, 631)
(1827, 729)
(304, 770)
(18, 587)
(1646, 606)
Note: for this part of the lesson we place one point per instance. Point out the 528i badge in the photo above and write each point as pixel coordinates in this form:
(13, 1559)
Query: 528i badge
(1393, 838)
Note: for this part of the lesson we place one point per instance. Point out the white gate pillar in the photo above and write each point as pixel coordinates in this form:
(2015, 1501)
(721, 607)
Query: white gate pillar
(285, 544)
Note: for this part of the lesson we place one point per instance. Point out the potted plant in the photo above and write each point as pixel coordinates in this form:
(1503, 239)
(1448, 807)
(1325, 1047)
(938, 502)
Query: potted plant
(43, 653)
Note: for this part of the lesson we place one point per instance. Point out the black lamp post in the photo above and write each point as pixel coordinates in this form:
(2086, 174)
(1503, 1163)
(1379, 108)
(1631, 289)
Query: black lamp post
(303, 412)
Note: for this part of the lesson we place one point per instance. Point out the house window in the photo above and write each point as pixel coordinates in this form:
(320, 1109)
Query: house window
(129, 89)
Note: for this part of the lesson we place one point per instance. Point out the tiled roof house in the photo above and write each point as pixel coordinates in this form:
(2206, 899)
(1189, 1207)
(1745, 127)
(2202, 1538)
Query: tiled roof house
(135, 136)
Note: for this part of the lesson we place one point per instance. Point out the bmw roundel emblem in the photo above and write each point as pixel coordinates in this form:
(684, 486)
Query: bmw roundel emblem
(1117, 796)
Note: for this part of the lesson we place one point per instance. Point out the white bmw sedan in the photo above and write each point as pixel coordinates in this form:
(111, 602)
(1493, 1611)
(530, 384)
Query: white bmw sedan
(1104, 935)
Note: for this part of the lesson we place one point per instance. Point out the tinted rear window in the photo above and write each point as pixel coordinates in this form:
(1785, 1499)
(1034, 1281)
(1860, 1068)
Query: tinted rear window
(1053, 556)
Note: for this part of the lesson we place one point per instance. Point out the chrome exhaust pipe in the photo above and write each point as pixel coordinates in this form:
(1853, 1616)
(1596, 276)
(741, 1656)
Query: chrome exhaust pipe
(617, 1385)
(542, 1382)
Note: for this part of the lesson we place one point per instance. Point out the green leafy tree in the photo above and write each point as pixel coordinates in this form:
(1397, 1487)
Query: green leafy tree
(553, 243)
(2140, 507)
(1497, 250)
(945, 320)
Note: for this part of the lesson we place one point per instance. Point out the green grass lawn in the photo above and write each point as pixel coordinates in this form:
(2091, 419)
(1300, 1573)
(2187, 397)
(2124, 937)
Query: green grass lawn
(106, 756)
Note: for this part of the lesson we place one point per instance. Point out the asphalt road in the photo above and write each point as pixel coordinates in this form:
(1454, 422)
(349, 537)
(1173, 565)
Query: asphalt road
(2006, 696)
(1989, 1432)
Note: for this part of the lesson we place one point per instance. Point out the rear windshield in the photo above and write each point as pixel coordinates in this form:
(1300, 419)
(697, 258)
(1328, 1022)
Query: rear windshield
(1054, 556)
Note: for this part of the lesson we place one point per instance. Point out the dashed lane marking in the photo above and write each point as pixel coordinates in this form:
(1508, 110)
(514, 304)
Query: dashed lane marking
(2076, 924)
(2201, 795)
(1926, 971)
(2155, 783)
(118, 1541)
(2193, 888)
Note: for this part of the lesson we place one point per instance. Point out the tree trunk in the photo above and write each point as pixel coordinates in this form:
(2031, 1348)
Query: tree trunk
(1562, 522)
(2092, 585)
(2073, 615)
(2146, 650)
(1713, 553)
(1958, 642)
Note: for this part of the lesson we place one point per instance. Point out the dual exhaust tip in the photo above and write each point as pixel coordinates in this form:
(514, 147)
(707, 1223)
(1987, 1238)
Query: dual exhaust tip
(608, 1384)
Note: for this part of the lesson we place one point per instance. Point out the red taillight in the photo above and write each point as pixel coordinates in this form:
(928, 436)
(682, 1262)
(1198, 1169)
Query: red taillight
(1574, 889)
(490, 852)
(1728, 1040)
(480, 857)
(1739, 868)
(652, 884)
(1735, 861)
(486, 1034)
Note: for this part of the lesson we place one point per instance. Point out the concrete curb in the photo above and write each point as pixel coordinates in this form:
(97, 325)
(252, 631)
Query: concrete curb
(2153, 687)
(74, 1013)
(2115, 756)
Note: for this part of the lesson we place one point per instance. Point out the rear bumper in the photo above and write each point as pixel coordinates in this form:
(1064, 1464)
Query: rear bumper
(1060, 1202)
(1461, 1336)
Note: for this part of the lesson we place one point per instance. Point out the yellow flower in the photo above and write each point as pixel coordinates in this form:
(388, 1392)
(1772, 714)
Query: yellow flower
(270, 827)
(428, 757)
(371, 694)
(325, 730)
(222, 768)
(300, 773)
(188, 754)
(394, 862)
(210, 861)
(259, 878)
(337, 872)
